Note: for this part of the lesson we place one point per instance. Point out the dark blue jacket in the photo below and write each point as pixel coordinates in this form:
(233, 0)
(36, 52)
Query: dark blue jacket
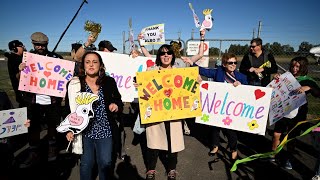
(219, 73)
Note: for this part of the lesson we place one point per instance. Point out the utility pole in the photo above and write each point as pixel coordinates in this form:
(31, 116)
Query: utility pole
(259, 29)
(84, 1)
(192, 32)
(179, 35)
(124, 42)
(253, 33)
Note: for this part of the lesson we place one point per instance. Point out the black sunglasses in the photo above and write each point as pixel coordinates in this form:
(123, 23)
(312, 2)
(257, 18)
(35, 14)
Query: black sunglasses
(252, 46)
(168, 53)
(229, 63)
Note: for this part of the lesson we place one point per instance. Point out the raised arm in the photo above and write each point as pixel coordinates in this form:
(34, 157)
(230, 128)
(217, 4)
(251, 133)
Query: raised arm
(144, 50)
(80, 52)
(201, 48)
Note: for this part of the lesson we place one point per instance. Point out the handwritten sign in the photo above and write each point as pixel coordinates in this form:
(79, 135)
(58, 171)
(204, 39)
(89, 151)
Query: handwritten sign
(243, 108)
(153, 35)
(12, 122)
(168, 94)
(284, 97)
(115, 63)
(193, 48)
(77, 121)
(45, 75)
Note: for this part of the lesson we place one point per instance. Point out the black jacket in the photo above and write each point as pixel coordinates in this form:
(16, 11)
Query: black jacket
(249, 60)
(14, 61)
(111, 95)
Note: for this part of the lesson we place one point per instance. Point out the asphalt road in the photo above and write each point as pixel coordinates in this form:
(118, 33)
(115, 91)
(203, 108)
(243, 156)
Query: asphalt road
(193, 162)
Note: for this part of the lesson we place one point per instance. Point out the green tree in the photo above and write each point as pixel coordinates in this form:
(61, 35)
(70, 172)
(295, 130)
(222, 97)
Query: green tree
(214, 51)
(276, 48)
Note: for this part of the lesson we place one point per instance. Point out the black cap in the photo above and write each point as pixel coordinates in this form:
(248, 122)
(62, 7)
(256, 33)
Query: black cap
(106, 44)
(13, 44)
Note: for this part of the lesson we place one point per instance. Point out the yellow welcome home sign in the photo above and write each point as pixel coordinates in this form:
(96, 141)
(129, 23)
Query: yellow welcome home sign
(166, 95)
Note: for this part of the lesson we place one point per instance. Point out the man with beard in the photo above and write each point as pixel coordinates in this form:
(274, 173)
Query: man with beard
(41, 108)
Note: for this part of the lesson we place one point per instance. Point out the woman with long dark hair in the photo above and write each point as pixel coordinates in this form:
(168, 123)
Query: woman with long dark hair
(99, 138)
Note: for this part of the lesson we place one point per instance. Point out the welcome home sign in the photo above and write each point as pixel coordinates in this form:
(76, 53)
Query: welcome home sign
(45, 75)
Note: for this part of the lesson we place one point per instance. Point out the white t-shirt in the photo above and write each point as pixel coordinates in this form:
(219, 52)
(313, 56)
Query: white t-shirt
(43, 99)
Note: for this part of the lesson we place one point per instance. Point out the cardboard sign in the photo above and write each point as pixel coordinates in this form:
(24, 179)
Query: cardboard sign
(45, 75)
(243, 108)
(193, 48)
(77, 121)
(284, 97)
(153, 35)
(168, 94)
(123, 69)
(12, 122)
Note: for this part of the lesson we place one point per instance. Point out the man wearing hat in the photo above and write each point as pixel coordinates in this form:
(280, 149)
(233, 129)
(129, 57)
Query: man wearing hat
(41, 108)
(16, 48)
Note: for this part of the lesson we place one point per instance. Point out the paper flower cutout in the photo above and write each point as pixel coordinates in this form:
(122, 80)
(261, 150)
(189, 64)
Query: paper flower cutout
(205, 118)
(253, 124)
(227, 121)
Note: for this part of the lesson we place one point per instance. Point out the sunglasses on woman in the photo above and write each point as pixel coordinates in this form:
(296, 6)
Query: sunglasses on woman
(229, 63)
(168, 53)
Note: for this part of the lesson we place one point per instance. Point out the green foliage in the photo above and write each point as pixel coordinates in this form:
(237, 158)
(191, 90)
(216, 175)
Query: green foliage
(214, 51)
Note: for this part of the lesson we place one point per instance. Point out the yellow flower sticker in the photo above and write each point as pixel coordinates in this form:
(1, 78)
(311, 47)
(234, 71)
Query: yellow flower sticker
(253, 124)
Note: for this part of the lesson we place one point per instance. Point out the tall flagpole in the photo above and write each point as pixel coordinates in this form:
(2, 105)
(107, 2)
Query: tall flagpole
(84, 1)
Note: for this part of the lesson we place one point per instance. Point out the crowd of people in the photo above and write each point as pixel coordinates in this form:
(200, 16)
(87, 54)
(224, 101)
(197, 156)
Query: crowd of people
(103, 140)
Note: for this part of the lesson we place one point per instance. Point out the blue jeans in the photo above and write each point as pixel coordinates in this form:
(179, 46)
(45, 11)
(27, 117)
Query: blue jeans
(96, 150)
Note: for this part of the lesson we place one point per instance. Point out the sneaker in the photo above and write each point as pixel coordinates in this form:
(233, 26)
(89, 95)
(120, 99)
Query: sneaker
(288, 165)
(151, 175)
(316, 177)
(172, 175)
(52, 153)
(32, 159)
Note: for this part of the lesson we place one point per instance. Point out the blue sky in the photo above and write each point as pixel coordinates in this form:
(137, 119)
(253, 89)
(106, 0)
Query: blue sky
(284, 21)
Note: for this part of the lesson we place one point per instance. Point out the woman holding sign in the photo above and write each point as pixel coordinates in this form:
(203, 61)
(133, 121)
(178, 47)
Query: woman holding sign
(99, 138)
(164, 138)
(299, 69)
(227, 74)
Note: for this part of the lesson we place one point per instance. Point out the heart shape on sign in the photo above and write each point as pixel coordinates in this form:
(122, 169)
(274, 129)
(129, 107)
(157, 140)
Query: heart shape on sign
(47, 73)
(167, 92)
(205, 86)
(150, 63)
(259, 94)
(75, 120)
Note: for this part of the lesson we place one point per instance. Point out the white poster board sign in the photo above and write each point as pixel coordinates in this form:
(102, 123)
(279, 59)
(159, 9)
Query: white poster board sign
(193, 48)
(284, 97)
(123, 69)
(153, 35)
(12, 122)
(243, 108)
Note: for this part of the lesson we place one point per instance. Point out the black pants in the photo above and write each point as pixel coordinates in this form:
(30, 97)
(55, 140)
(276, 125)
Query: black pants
(169, 159)
(231, 135)
(50, 114)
